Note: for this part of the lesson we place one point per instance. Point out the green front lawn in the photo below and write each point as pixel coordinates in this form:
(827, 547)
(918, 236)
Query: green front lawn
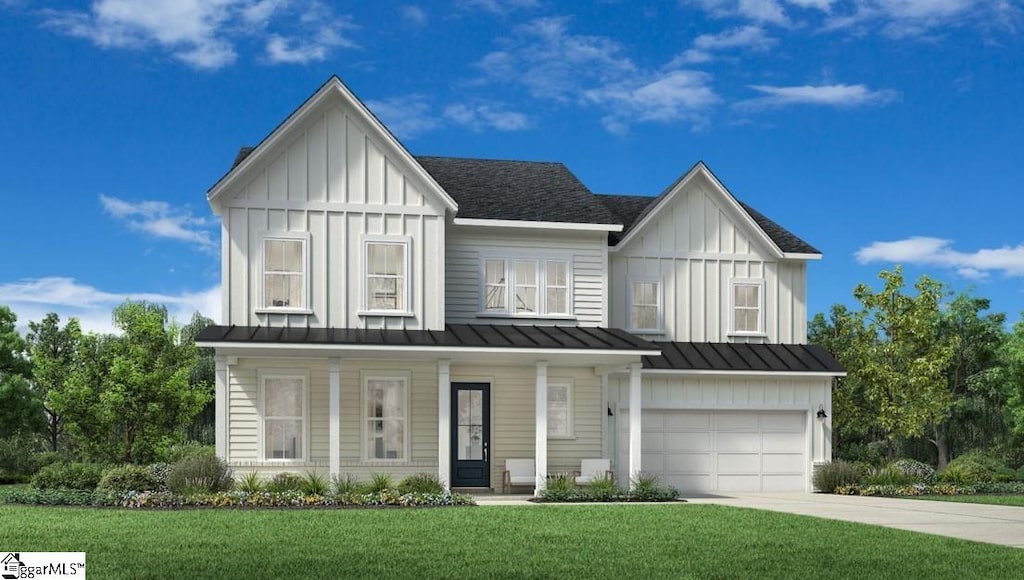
(1017, 500)
(668, 541)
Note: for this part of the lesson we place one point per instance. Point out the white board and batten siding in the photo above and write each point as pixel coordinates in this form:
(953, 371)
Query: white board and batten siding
(696, 246)
(719, 434)
(337, 182)
(467, 246)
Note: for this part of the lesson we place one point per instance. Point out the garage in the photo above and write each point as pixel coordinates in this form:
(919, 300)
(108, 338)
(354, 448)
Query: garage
(723, 451)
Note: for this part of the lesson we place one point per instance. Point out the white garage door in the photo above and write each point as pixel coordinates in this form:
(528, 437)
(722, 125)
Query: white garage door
(722, 451)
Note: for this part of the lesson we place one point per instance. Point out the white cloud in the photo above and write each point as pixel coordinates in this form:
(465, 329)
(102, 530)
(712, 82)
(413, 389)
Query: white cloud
(407, 116)
(32, 299)
(749, 37)
(481, 116)
(927, 251)
(839, 96)
(550, 62)
(770, 11)
(159, 219)
(205, 34)
(413, 15)
(500, 7)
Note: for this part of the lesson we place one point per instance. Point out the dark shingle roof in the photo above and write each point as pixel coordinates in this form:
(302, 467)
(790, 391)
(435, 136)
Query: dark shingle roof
(453, 336)
(630, 209)
(721, 356)
(516, 190)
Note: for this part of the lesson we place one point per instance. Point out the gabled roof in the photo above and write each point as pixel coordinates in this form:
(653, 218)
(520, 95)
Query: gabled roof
(516, 190)
(723, 356)
(632, 210)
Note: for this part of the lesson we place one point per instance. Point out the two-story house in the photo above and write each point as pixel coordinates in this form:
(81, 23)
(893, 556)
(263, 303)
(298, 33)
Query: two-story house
(384, 312)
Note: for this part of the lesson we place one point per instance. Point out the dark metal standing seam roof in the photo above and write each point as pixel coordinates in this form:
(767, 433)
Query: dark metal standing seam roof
(724, 356)
(453, 336)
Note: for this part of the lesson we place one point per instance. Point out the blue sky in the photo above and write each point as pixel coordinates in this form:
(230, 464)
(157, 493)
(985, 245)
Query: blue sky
(878, 130)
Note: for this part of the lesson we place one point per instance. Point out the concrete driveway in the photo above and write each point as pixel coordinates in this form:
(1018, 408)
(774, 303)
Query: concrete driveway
(981, 523)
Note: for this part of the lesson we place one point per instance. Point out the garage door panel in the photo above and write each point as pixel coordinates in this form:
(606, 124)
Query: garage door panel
(782, 442)
(782, 482)
(782, 463)
(738, 482)
(686, 463)
(653, 462)
(733, 442)
(784, 422)
(739, 463)
(688, 441)
(688, 482)
(685, 420)
(738, 420)
(651, 441)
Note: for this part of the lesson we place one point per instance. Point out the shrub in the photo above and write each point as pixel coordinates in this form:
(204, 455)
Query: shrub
(160, 472)
(250, 483)
(346, 485)
(1020, 474)
(30, 496)
(971, 468)
(603, 489)
(379, 482)
(17, 462)
(829, 476)
(201, 473)
(283, 482)
(889, 475)
(870, 453)
(129, 478)
(173, 452)
(919, 470)
(561, 482)
(314, 483)
(648, 487)
(83, 476)
(421, 483)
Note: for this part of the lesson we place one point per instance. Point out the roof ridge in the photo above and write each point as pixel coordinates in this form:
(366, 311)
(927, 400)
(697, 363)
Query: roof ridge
(490, 159)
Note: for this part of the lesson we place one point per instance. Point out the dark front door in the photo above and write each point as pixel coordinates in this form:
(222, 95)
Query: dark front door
(471, 435)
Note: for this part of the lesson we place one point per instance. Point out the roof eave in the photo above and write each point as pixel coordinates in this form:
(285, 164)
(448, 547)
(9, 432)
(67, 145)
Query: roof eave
(537, 225)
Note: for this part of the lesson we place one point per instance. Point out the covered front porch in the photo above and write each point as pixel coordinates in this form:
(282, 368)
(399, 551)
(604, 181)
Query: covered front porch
(458, 403)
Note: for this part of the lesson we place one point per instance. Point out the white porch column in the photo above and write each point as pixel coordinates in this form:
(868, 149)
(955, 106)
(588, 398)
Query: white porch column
(635, 402)
(220, 407)
(541, 451)
(444, 432)
(334, 414)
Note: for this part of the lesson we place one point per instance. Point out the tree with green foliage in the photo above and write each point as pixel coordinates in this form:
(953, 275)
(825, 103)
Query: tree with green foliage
(54, 351)
(202, 376)
(131, 392)
(13, 349)
(854, 415)
(20, 410)
(1011, 355)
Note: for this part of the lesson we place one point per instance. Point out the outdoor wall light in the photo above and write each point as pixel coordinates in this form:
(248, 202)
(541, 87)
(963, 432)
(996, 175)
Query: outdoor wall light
(821, 413)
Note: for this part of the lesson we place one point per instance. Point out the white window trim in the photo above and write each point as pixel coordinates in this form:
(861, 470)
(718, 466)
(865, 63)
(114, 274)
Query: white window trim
(261, 376)
(570, 402)
(733, 283)
(660, 329)
(541, 260)
(364, 377)
(304, 237)
(365, 284)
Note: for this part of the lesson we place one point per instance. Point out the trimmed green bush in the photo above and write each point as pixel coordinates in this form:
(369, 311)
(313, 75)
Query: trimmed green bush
(421, 483)
(160, 471)
(176, 451)
(250, 483)
(889, 475)
(129, 478)
(17, 462)
(314, 483)
(603, 489)
(348, 484)
(972, 468)
(224, 499)
(82, 476)
(379, 482)
(920, 471)
(31, 496)
(283, 482)
(199, 474)
(835, 474)
(648, 487)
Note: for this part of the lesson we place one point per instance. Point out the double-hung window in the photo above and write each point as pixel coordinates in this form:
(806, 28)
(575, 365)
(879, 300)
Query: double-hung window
(528, 287)
(645, 305)
(559, 409)
(387, 416)
(284, 272)
(747, 306)
(284, 416)
(387, 276)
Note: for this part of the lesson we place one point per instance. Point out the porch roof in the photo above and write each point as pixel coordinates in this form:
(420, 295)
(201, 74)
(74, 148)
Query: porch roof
(742, 357)
(454, 336)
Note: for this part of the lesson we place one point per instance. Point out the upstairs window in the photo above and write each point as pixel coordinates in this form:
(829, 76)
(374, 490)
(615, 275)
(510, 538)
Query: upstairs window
(526, 287)
(747, 306)
(284, 273)
(645, 305)
(387, 276)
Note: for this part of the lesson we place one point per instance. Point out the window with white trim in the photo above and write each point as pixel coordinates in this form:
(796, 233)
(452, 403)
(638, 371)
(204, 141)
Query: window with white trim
(284, 272)
(387, 276)
(559, 410)
(645, 305)
(529, 287)
(284, 416)
(387, 417)
(747, 302)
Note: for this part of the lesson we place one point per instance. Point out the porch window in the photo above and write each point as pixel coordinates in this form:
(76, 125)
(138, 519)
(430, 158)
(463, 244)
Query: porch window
(284, 272)
(387, 275)
(559, 410)
(387, 413)
(284, 416)
(645, 305)
(747, 302)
